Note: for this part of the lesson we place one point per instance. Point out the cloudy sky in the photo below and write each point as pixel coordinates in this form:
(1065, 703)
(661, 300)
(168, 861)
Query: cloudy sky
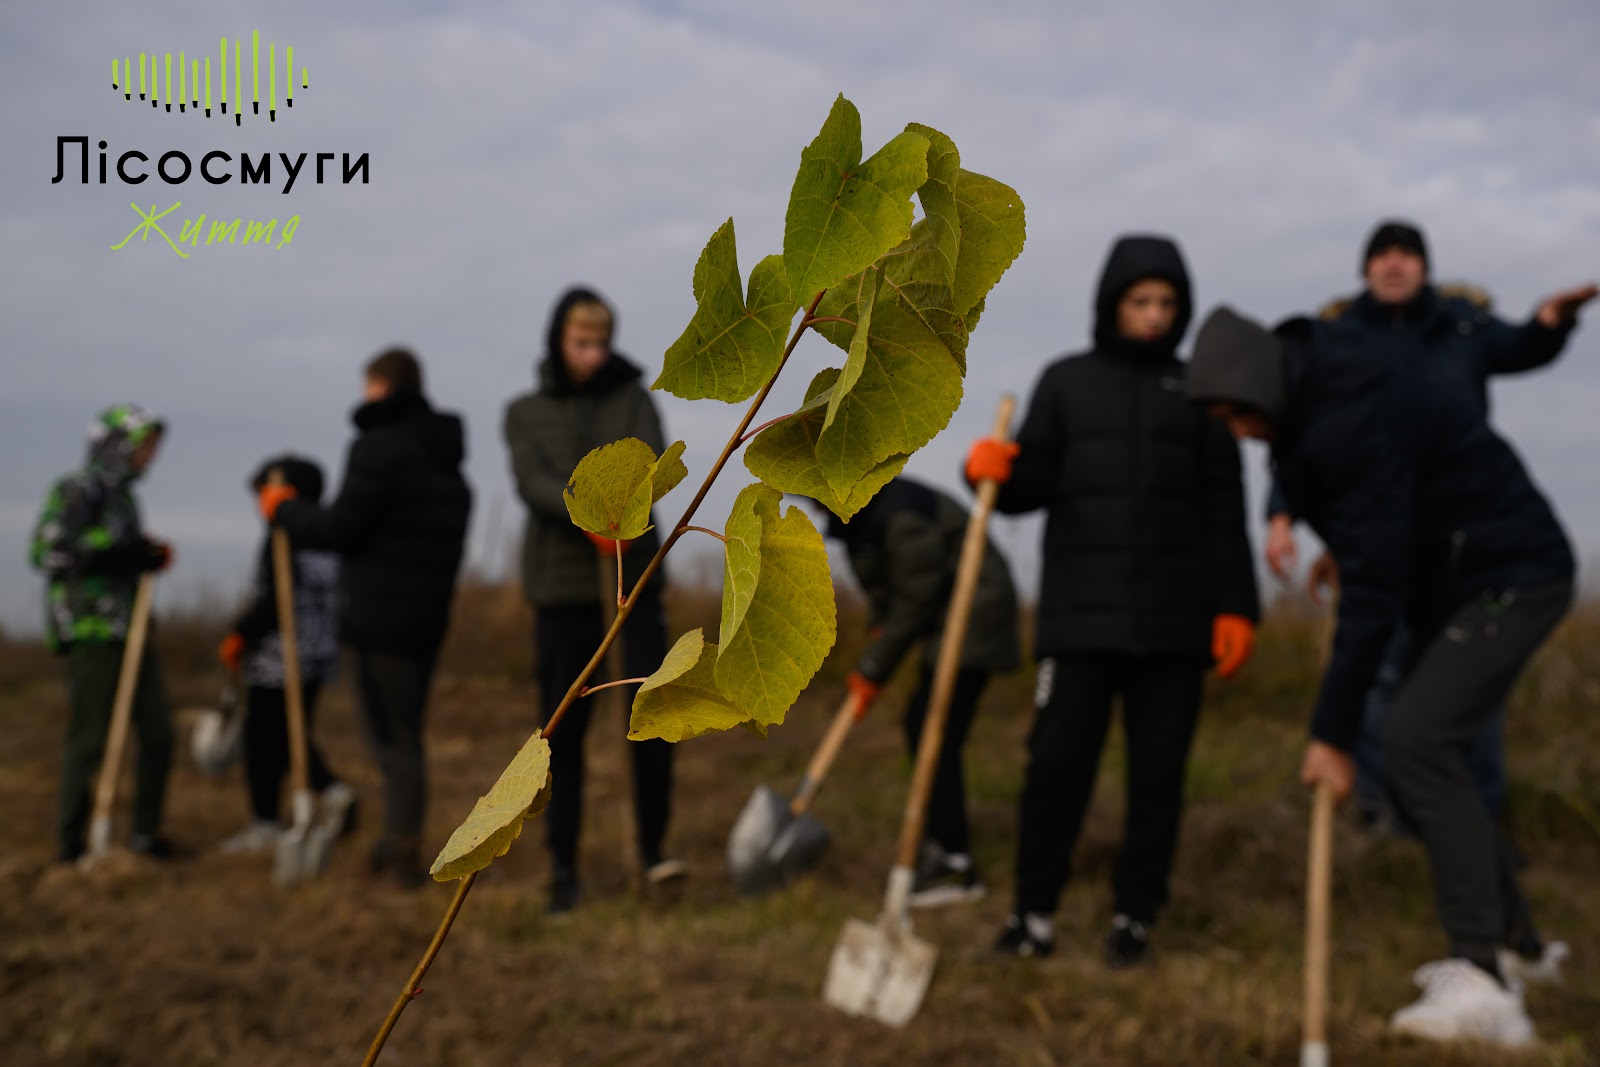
(518, 147)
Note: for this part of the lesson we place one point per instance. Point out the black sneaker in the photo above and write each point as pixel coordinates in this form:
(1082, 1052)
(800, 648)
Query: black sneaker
(1017, 940)
(1128, 944)
(152, 846)
(563, 891)
(940, 881)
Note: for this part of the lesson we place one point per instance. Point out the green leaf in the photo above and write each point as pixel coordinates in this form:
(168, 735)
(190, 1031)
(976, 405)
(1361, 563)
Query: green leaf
(843, 213)
(681, 699)
(732, 345)
(784, 456)
(521, 793)
(778, 595)
(908, 388)
(613, 487)
(993, 230)
(856, 361)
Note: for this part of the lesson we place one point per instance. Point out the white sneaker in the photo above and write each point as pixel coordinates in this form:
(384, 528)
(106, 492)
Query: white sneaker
(259, 836)
(1519, 970)
(1461, 1001)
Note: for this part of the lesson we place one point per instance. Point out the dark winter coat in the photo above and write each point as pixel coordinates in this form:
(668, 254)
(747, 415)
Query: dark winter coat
(1451, 338)
(1144, 541)
(548, 431)
(399, 523)
(905, 548)
(1421, 504)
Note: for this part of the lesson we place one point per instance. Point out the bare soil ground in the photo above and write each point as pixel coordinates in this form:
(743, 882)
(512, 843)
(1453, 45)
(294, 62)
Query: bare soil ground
(200, 961)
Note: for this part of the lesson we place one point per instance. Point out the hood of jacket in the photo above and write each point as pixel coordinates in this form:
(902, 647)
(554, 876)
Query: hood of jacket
(1238, 361)
(551, 371)
(442, 435)
(114, 436)
(1132, 259)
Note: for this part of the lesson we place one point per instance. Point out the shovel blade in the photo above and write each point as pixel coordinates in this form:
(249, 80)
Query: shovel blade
(294, 862)
(798, 847)
(880, 973)
(764, 816)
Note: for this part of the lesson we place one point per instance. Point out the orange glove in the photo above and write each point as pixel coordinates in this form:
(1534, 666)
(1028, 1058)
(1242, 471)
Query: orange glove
(606, 546)
(1232, 638)
(990, 460)
(231, 652)
(272, 497)
(864, 689)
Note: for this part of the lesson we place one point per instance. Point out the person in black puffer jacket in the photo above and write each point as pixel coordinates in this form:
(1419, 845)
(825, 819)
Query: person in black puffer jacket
(1147, 576)
(400, 524)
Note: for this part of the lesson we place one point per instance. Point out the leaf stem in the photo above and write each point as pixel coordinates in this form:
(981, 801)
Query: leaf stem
(619, 572)
(702, 529)
(607, 685)
(578, 684)
(413, 988)
(827, 318)
(765, 425)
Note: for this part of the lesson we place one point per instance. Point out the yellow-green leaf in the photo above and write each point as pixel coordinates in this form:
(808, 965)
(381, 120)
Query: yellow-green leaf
(783, 609)
(866, 290)
(784, 456)
(993, 229)
(843, 213)
(496, 820)
(681, 699)
(612, 488)
(733, 344)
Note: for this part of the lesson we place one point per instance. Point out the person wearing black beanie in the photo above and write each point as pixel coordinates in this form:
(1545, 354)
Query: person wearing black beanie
(1394, 233)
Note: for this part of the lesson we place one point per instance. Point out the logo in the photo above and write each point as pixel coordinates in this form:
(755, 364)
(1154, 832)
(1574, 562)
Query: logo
(155, 79)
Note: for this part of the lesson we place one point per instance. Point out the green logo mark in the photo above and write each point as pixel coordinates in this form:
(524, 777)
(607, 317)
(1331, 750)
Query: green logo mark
(189, 95)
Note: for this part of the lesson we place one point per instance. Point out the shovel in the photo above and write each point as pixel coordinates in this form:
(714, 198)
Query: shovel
(881, 969)
(121, 712)
(775, 839)
(298, 857)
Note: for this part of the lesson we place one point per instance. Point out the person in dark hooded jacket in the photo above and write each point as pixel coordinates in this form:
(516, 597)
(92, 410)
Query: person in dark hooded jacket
(399, 525)
(1428, 515)
(253, 651)
(588, 396)
(1147, 577)
(905, 548)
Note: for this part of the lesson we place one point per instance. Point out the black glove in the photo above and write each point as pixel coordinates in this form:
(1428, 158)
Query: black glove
(130, 557)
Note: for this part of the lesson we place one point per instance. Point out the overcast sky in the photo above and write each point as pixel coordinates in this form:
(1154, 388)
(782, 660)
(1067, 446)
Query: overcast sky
(518, 147)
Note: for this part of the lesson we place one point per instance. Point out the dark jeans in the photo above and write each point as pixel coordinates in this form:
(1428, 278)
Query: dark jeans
(566, 636)
(394, 695)
(947, 803)
(92, 672)
(1488, 756)
(266, 747)
(1464, 673)
(1160, 708)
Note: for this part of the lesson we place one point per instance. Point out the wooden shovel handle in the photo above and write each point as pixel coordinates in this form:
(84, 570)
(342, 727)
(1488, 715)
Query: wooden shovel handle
(848, 715)
(288, 639)
(955, 634)
(105, 792)
(1319, 892)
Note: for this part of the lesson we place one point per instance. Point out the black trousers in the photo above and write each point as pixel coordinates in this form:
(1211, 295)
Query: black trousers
(566, 636)
(1073, 698)
(947, 804)
(93, 668)
(1465, 671)
(266, 746)
(394, 695)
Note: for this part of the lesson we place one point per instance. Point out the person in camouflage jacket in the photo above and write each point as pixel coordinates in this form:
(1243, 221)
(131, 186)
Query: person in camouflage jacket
(91, 546)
